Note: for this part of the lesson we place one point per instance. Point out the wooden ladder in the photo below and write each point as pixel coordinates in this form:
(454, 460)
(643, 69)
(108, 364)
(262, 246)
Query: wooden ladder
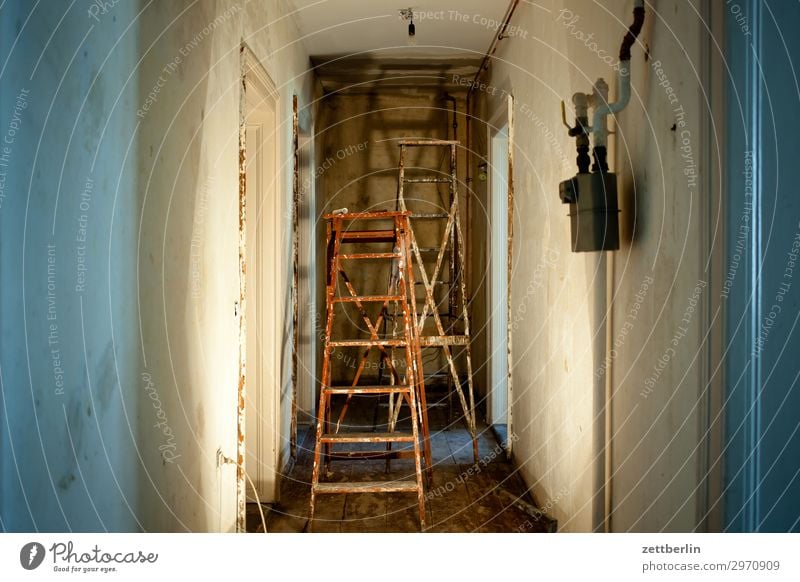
(455, 331)
(407, 387)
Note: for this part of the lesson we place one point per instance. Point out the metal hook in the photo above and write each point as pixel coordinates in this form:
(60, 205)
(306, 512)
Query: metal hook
(564, 115)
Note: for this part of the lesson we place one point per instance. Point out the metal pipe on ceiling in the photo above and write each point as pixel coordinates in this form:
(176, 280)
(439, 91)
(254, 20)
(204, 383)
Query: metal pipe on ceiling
(483, 67)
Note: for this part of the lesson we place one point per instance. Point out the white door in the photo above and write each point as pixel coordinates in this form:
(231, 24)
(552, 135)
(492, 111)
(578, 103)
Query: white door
(498, 287)
(263, 316)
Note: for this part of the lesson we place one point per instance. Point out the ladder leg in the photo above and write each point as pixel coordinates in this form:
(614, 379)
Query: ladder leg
(323, 412)
(391, 421)
(426, 437)
(465, 316)
(413, 371)
(418, 462)
(317, 453)
(327, 457)
(420, 371)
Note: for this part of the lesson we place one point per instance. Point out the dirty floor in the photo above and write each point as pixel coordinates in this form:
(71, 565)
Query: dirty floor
(488, 496)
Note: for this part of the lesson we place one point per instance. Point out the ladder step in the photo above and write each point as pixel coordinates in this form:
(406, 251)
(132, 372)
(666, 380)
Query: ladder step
(429, 249)
(430, 215)
(371, 455)
(434, 282)
(375, 215)
(429, 404)
(430, 316)
(368, 437)
(447, 340)
(394, 343)
(427, 180)
(386, 389)
(368, 298)
(371, 256)
(365, 236)
(367, 487)
(427, 142)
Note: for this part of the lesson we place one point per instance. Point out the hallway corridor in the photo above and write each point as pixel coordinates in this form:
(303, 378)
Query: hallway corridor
(599, 202)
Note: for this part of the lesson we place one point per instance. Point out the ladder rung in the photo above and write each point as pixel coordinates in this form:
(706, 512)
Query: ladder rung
(429, 404)
(434, 282)
(447, 340)
(375, 215)
(371, 455)
(368, 298)
(427, 180)
(429, 316)
(387, 389)
(395, 343)
(367, 487)
(430, 215)
(368, 437)
(427, 142)
(364, 236)
(429, 249)
(371, 256)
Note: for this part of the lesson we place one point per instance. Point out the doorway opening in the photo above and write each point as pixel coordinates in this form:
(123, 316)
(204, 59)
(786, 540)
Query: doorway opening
(261, 319)
(498, 401)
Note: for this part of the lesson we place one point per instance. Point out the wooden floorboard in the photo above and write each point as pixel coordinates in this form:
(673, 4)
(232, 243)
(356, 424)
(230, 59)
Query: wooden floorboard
(459, 498)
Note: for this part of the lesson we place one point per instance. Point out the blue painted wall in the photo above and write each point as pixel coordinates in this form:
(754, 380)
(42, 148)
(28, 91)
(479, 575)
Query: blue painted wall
(69, 222)
(762, 454)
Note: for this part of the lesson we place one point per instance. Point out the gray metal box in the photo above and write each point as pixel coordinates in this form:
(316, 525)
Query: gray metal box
(593, 211)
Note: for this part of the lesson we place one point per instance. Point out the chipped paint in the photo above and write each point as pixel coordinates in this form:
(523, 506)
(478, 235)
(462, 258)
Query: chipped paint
(241, 492)
(452, 234)
(510, 319)
(295, 274)
(400, 292)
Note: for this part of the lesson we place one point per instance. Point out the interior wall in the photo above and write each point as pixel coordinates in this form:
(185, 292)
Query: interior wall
(357, 169)
(761, 489)
(189, 102)
(658, 376)
(560, 362)
(69, 347)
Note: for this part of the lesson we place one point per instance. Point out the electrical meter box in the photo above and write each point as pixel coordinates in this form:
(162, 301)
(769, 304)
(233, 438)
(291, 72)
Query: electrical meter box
(593, 211)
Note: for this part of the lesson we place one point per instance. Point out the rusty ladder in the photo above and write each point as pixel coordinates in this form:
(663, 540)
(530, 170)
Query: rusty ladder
(452, 240)
(408, 387)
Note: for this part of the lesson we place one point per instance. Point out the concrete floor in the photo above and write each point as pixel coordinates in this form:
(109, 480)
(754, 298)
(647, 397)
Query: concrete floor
(463, 496)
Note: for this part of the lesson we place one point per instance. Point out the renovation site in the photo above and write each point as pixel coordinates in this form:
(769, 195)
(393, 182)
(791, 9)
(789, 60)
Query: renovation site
(275, 266)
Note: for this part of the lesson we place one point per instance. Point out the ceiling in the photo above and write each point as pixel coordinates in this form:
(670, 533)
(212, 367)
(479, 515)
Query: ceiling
(334, 28)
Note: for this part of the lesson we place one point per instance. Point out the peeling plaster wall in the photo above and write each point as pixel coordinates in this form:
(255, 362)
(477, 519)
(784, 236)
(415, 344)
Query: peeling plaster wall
(69, 345)
(559, 343)
(188, 251)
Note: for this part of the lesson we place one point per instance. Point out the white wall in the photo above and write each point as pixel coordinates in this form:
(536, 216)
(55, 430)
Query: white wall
(558, 297)
(188, 250)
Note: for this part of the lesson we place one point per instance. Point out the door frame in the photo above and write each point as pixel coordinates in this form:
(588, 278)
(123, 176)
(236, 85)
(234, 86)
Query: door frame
(503, 116)
(253, 76)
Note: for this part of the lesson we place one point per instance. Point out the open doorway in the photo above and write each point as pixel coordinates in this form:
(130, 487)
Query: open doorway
(498, 401)
(262, 319)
